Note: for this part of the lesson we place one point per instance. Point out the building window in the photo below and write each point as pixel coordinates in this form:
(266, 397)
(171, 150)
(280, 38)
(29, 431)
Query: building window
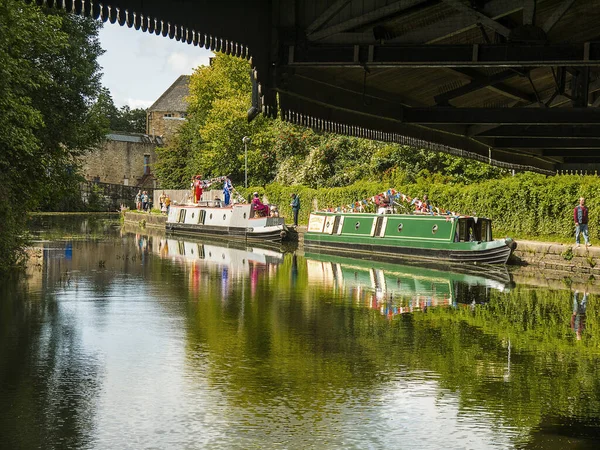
(146, 164)
(168, 115)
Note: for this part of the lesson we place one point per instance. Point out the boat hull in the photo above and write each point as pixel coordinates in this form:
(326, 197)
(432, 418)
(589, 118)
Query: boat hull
(492, 255)
(235, 222)
(277, 234)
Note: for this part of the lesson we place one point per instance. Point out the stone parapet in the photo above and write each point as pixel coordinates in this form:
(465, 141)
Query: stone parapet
(144, 220)
(559, 257)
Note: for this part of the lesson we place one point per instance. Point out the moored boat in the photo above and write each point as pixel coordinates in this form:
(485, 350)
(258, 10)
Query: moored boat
(234, 221)
(451, 239)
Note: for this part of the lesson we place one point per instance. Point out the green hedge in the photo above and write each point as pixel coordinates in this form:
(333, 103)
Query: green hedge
(524, 205)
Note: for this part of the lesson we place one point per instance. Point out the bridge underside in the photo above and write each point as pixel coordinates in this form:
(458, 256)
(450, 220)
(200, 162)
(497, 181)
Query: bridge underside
(515, 81)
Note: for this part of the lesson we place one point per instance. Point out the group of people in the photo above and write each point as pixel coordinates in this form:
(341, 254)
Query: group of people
(165, 203)
(198, 187)
(142, 201)
(384, 204)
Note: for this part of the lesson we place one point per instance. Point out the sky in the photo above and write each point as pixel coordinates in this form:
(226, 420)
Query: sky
(138, 67)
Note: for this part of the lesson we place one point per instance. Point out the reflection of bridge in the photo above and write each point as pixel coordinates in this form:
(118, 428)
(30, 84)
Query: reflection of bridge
(516, 81)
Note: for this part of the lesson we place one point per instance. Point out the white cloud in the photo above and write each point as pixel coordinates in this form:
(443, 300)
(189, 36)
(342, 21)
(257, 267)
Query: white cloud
(139, 66)
(185, 63)
(134, 103)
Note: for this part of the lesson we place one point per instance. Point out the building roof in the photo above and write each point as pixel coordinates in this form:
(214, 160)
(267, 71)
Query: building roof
(134, 137)
(174, 98)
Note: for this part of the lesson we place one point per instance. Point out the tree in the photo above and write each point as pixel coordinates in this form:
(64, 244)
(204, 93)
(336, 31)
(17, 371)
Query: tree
(122, 119)
(211, 144)
(49, 78)
(134, 120)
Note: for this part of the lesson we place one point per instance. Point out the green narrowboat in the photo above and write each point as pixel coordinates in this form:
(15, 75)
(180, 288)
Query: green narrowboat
(437, 238)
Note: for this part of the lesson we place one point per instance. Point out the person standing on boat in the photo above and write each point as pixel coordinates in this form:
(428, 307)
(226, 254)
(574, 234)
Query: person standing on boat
(198, 189)
(383, 202)
(295, 208)
(426, 205)
(580, 215)
(227, 188)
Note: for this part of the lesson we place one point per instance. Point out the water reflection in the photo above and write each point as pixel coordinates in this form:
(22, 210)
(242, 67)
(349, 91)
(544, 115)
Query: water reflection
(147, 341)
(579, 312)
(390, 288)
(397, 289)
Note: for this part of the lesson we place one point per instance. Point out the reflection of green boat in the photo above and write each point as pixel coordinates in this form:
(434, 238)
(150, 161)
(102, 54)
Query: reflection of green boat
(414, 236)
(402, 288)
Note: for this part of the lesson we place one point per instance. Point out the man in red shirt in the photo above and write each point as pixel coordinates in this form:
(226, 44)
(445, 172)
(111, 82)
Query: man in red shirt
(580, 215)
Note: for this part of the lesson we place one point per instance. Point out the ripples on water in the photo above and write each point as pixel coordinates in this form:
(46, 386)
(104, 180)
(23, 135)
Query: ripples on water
(118, 340)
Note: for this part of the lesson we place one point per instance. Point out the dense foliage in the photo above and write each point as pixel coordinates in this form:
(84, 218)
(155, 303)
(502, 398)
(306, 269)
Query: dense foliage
(210, 143)
(49, 77)
(524, 205)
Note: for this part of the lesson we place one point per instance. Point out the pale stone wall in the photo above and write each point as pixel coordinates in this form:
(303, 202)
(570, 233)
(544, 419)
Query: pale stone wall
(183, 196)
(159, 125)
(118, 162)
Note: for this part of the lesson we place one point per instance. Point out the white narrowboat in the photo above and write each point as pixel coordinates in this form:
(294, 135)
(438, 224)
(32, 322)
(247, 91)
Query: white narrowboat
(235, 221)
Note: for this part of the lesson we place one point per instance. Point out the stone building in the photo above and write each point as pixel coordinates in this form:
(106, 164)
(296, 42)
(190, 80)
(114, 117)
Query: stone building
(128, 158)
(167, 113)
(124, 158)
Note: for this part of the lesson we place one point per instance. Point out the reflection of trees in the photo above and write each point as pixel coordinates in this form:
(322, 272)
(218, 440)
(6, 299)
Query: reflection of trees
(549, 370)
(47, 387)
(72, 225)
(279, 338)
(314, 345)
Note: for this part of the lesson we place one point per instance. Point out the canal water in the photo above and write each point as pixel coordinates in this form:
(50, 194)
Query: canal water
(118, 339)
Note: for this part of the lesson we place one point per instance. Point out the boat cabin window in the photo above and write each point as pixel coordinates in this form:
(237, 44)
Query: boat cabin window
(469, 230)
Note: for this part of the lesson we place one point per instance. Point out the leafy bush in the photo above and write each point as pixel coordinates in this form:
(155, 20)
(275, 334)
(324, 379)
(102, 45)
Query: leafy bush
(527, 203)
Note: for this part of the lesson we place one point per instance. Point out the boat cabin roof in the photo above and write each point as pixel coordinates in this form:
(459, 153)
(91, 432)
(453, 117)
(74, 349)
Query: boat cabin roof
(420, 215)
(212, 204)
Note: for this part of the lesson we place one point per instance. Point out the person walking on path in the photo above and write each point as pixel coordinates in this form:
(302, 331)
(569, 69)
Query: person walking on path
(580, 215)
(295, 208)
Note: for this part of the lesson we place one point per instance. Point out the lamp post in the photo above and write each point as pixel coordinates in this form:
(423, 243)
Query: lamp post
(246, 141)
